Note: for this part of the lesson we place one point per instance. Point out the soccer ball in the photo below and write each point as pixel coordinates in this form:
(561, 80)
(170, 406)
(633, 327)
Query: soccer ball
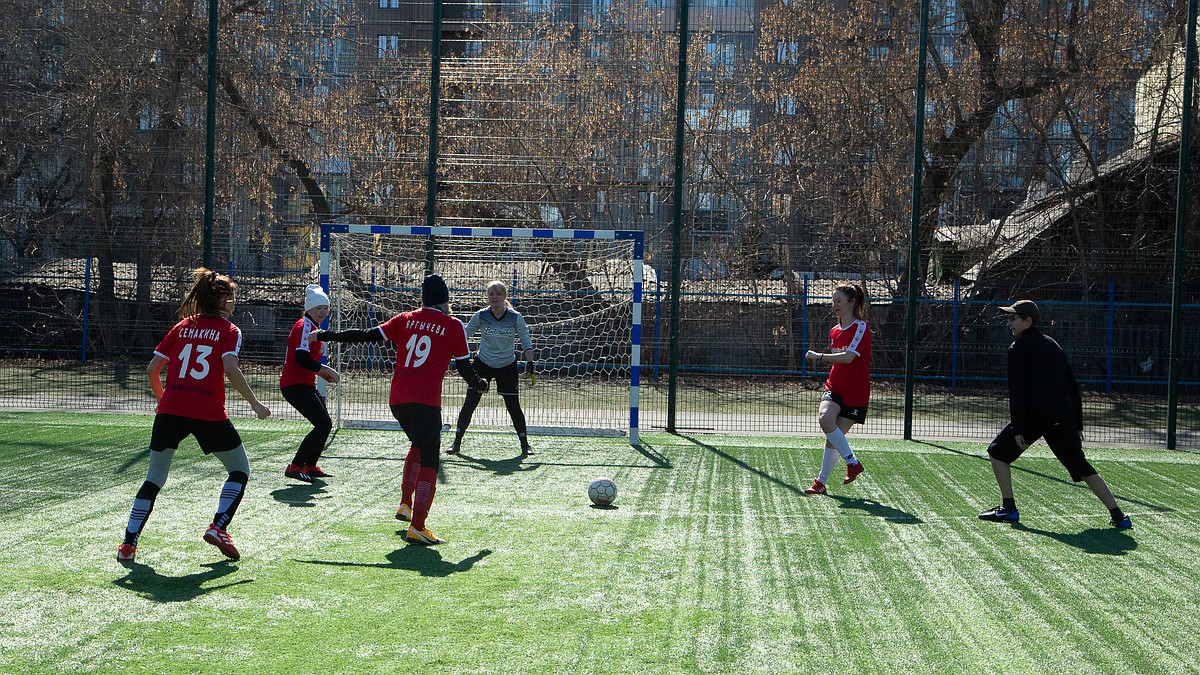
(602, 491)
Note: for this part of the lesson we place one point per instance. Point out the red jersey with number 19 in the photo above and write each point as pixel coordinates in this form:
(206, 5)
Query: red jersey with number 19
(851, 381)
(426, 341)
(194, 349)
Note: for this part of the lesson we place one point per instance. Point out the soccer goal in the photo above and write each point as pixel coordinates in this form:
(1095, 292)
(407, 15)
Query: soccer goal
(580, 291)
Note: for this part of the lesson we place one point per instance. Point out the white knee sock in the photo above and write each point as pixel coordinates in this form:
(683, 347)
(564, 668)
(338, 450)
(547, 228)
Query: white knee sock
(838, 440)
(828, 464)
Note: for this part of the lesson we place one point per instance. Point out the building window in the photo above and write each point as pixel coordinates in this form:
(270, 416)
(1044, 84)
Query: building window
(601, 201)
(648, 203)
(389, 45)
(389, 4)
(787, 53)
(782, 205)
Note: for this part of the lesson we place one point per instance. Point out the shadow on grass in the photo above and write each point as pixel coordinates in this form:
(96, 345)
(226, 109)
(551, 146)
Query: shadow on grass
(1016, 468)
(653, 455)
(499, 467)
(300, 496)
(141, 457)
(143, 580)
(424, 560)
(1095, 540)
(734, 460)
(874, 508)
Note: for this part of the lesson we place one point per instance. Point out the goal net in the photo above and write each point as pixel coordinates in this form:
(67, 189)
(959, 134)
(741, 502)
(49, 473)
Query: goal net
(579, 291)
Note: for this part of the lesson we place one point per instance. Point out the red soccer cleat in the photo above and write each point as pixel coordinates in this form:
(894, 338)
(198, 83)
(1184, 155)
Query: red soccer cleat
(316, 472)
(297, 472)
(817, 488)
(224, 543)
(852, 472)
(125, 553)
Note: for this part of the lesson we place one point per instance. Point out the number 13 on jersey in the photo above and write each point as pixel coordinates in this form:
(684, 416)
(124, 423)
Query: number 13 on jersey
(202, 367)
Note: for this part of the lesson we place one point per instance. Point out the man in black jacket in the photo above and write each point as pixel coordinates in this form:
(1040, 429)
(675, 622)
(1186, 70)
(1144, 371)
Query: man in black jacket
(1044, 402)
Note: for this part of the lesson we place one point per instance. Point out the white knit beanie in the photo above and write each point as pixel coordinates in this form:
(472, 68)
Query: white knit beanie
(314, 296)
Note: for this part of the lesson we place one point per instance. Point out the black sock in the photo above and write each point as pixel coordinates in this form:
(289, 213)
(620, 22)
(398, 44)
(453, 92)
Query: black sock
(1117, 514)
(1008, 502)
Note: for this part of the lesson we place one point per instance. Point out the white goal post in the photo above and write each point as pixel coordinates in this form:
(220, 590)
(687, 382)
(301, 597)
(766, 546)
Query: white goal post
(579, 290)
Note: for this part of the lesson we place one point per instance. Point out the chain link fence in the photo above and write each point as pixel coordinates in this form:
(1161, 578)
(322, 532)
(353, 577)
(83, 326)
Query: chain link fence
(767, 159)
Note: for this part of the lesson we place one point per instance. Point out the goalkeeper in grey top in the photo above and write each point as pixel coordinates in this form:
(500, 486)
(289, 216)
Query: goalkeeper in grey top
(500, 327)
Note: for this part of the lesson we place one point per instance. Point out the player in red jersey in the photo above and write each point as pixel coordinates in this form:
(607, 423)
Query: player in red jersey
(427, 340)
(848, 388)
(301, 367)
(199, 352)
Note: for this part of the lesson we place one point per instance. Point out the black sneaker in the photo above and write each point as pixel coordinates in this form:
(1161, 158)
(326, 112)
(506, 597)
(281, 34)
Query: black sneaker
(1123, 524)
(454, 450)
(1000, 514)
(525, 449)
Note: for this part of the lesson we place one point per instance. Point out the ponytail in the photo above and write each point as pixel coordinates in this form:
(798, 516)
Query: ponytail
(857, 296)
(208, 294)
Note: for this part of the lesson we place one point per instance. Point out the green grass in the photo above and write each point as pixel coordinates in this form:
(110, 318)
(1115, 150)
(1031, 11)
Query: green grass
(712, 561)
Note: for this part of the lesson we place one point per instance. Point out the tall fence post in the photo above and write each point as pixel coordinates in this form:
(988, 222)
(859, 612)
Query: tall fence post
(677, 220)
(210, 136)
(914, 244)
(435, 86)
(1185, 154)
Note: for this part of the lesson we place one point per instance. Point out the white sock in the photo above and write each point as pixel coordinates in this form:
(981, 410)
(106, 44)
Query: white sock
(828, 464)
(838, 440)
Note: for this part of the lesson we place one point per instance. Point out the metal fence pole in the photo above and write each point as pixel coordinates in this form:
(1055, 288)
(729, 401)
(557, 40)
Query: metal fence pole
(677, 221)
(210, 136)
(435, 85)
(1185, 138)
(914, 244)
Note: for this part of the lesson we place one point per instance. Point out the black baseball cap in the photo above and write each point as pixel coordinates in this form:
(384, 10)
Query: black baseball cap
(1023, 308)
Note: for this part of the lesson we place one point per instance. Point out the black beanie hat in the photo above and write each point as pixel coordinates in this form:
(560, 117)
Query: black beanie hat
(434, 291)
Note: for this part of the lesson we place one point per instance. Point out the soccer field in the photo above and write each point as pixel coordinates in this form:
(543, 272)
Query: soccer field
(712, 560)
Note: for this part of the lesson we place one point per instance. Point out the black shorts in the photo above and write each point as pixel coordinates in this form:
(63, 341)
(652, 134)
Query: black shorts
(170, 430)
(423, 426)
(857, 414)
(1063, 440)
(506, 377)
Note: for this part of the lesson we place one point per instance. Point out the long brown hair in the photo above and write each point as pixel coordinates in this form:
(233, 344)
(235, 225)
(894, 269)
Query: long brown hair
(856, 295)
(208, 294)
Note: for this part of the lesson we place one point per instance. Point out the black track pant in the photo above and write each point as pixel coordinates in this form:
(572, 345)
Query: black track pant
(305, 399)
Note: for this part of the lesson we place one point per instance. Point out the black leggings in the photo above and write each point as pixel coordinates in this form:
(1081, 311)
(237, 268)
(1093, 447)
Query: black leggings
(423, 426)
(506, 385)
(305, 399)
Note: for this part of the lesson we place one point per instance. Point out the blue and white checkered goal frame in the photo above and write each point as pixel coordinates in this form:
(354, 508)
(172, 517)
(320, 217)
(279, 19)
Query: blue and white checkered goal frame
(580, 292)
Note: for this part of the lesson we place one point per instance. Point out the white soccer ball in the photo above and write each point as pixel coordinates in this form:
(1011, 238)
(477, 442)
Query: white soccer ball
(602, 491)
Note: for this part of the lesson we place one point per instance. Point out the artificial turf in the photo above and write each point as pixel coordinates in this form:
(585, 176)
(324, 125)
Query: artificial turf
(711, 560)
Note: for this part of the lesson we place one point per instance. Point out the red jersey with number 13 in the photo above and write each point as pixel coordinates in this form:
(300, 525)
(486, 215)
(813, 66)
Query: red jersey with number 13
(426, 341)
(194, 349)
(851, 381)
